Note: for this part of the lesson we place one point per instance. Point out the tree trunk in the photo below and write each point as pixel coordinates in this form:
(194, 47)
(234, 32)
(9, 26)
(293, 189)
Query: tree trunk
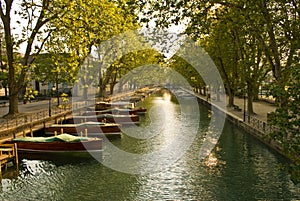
(204, 91)
(250, 94)
(120, 86)
(230, 97)
(13, 104)
(230, 100)
(250, 105)
(112, 85)
(85, 93)
(100, 84)
(6, 91)
(102, 91)
(12, 85)
(104, 82)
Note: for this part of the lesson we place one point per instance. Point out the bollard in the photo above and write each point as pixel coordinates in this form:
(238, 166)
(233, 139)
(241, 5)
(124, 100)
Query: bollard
(31, 132)
(16, 153)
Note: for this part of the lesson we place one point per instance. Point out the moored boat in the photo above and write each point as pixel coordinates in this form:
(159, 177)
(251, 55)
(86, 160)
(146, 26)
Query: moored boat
(139, 110)
(63, 143)
(106, 118)
(94, 128)
(113, 105)
(121, 108)
(110, 111)
(118, 111)
(100, 128)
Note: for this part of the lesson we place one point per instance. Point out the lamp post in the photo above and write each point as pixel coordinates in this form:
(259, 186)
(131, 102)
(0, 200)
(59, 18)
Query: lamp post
(50, 104)
(244, 105)
(50, 100)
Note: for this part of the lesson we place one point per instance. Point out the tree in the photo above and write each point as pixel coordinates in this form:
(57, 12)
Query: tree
(119, 55)
(73, 26)
(37, 14)
(84, 27)
(187, 71)
(270, 26)
(268, 38)
(55, 69)
(221, 44)
(127, 64)
(3, 63)
(287, 119)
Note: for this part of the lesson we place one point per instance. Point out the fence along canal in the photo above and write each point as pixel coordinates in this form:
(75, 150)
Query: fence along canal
(34, 121)
(257, 127)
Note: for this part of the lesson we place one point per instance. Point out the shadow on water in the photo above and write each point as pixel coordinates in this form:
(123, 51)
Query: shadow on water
(62, 158)
(11, 172)
(239, 168)
(29, 160)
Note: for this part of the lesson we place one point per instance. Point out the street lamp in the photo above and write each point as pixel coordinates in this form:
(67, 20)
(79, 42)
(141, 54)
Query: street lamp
(50, 104)
(244, 105)
(50, 99)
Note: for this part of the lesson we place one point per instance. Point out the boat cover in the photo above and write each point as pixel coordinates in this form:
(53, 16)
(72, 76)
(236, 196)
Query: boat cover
(62, 138)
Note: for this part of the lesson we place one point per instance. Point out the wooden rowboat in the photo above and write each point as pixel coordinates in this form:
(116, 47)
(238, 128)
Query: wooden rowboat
(113, 105)
(60, 143)
(117, 111)
(110, 111)
(106, 118)
(122, 107)
(89, 127)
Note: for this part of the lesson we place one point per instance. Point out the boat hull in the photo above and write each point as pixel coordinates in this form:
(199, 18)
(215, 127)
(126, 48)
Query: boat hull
(77, 129)
(111, 111)
(119, 119)
(63, 147)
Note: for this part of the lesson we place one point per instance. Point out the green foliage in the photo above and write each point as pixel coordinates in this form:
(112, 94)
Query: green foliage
(187, 71)
(127, 63)
(70, 27)
(86, 24)
(30, 94)
(287, 117)
(50, 68)
(257, 36)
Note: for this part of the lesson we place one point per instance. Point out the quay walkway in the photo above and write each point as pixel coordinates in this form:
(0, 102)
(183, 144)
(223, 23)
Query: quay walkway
(261, 109)
(256, 124)
(38, 114)
(33, 116)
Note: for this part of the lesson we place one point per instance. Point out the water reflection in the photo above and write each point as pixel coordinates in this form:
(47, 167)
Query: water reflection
(239, 168)
(211, 160)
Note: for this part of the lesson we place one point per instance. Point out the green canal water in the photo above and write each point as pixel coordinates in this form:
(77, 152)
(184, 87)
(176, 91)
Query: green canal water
(238, 168)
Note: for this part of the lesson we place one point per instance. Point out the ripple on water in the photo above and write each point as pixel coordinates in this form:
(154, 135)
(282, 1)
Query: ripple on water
(239, 168)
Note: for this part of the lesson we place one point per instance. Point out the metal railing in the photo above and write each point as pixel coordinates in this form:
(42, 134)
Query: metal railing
(260, 125)
(40, 115)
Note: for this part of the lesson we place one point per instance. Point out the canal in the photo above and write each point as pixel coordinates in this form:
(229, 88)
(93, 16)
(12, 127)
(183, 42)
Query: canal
(238, 168)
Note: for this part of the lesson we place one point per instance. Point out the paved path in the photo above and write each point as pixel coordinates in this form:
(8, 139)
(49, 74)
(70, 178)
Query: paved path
(31, 107)
(261, 108)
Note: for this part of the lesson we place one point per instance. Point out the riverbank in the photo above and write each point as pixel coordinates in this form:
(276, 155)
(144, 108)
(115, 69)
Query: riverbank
(239, 168)
(36, 115)
(257, 125)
